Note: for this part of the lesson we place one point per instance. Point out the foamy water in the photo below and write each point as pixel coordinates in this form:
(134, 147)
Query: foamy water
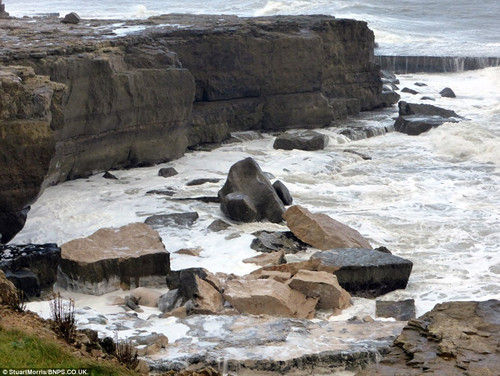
(406, 27)
(433, 198)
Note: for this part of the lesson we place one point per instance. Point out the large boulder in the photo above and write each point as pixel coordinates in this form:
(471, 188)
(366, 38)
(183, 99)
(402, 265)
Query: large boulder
(248, 195)
(321, 231)
(113, 258)
(31, 267)
(268, 297)
(321, 285)
(366, 272)
(71, 18)
(415, 118)
(447, 93)
(455, 338)
(301, 140)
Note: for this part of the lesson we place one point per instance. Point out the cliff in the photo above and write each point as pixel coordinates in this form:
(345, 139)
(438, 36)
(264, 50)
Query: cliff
(121, 94)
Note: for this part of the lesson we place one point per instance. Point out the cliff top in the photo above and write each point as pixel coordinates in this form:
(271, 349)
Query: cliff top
(38, 37)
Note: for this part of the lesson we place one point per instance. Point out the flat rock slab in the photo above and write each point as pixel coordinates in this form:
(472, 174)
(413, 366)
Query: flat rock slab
(250, 345)
(366, 272)
(113, 258)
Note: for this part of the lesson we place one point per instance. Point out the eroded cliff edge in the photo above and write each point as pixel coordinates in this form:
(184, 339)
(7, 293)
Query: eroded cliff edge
(112, 101)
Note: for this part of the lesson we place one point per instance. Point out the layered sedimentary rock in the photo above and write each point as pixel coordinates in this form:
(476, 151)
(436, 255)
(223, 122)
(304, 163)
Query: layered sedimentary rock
(434, 64)
(144, 98)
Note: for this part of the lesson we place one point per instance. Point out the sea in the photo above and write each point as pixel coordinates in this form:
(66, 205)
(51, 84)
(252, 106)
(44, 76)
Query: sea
(433, 198)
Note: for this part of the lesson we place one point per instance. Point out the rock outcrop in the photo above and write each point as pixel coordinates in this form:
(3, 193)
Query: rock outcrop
(145, 97)
(110, 259)
(455, 338)
(248, 195)
(366, 272)
(321, 231)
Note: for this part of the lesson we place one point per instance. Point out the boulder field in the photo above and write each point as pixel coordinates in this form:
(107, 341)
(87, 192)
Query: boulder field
(95, 101)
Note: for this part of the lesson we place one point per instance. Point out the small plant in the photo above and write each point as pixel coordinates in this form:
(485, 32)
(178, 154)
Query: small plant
(63, 317)
(126, 354)
(17, 301)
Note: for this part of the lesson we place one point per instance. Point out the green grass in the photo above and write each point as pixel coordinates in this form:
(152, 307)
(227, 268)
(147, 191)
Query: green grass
(19, 350)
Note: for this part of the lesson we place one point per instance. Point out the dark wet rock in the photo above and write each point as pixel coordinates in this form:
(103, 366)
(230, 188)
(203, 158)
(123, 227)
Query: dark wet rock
(447, 93)
(109, 175)
(202, 181)
(286, 241)
(427, 98)
(389, 96)
(365, 157)
(415, 118)
(111, 258)
(366, 272)
(402, 310)
(108, 345)
(174, 219)
(71, 18)
(269, 175)
(283, 192)
(408, 90)
(167, 172)
(206, 199)
(248, 195)
(132, 303)
(164, 192)
(455, 338)
(420, 84)
(32, 267)
(301, 140)
(383, 249)
(169, 301)
(360, 133)
(218, 225)
(389, 76)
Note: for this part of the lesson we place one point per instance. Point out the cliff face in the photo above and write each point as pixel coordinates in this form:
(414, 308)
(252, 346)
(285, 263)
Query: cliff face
(182, 80)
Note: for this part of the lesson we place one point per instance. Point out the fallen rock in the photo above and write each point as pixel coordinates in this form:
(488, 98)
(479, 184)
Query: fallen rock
(169, 301)
(402, 310)
(447, 93)
(283, 192)
(321, 231)
(408, 90)
(71, 18)
(321, 285)
(301, 140)
(111, 258)
(420, 84)
(271, 258)
(455, 338)
(109, 175)
(202, 181)
(149, 344)
(268, 297)
(218, 225)
(248, 195)
(366, 272)
(272, 274)
(389, 77)
(146, 297)
(174, 219)
(131, 302)
(167, 172)
(206, 299)
(294, 267)
(179, 312)
(415, 119)
(286, 241)
(190, 251)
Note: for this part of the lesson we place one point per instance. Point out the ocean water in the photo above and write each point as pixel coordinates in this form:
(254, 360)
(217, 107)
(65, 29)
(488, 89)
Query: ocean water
(433, 198)
(405, 27)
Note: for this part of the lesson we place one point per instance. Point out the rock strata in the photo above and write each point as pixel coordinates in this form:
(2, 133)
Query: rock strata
(248, 195)
(109, 259)
(455, 338)
(321, 231)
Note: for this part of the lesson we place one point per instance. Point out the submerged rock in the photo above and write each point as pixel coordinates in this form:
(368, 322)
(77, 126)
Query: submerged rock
(321, 231)
(301, 140)
(408, 90)
(366, 272)
(402, 310)
(32, 267)
(286, 241)
(202, 181)
(447, 93)
(218, 225)
(167, 172)
(112, 258)
(174, 219)
(283, 192)
(455, 338)
(248, 195)
(109, 175)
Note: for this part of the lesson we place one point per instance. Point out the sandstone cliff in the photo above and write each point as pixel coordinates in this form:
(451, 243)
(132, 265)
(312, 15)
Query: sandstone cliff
(181, 80)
